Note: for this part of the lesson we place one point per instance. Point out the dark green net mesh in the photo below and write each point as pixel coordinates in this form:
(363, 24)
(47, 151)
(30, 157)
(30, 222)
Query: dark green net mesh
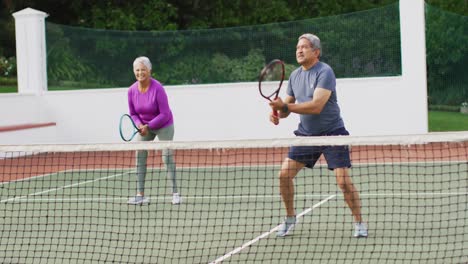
(361, 44)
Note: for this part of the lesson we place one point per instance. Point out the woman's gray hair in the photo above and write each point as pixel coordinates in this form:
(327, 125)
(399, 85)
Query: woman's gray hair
(143, 60)
(314, 41)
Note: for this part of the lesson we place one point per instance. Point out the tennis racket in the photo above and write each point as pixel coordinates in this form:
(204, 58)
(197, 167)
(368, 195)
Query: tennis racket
(270, 80)
(127, 128)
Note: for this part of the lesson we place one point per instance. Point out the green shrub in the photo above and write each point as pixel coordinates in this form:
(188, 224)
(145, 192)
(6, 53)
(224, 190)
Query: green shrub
(8, 81)
(7, 66)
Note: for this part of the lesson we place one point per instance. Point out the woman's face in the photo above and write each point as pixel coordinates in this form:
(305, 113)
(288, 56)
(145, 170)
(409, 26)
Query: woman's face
(142, 73)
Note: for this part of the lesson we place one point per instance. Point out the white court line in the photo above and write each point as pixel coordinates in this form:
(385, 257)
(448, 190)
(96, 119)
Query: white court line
(188, 169)
(209, 197)
(35, 177)
(249, 243)
(32, 178)
(416, 194)
(63, 187)
(233, 197)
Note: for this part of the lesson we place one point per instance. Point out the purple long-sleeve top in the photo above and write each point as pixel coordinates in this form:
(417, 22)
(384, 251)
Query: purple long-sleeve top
(151, 107)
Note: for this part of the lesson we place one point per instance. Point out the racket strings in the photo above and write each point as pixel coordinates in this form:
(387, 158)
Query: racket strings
(127, 128)
(270, 80)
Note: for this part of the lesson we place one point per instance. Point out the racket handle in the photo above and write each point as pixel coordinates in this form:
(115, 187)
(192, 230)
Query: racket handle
(275, 114)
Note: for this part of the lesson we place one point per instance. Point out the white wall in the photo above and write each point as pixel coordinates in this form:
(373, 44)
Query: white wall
(372, 106)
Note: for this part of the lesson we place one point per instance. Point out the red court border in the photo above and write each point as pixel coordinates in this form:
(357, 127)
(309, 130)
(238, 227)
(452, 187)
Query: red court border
(13, 166)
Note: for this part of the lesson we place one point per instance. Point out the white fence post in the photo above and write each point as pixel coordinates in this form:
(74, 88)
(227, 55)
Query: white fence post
(413, 56)
(31, 51)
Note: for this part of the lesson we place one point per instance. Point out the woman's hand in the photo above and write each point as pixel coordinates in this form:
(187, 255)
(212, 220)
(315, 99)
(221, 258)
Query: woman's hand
(143, 130)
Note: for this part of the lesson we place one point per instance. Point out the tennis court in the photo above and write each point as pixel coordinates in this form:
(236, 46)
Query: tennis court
(416, 210)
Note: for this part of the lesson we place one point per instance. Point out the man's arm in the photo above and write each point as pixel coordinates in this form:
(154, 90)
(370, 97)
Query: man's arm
(282, 114)
(288, 100)
(315, 106)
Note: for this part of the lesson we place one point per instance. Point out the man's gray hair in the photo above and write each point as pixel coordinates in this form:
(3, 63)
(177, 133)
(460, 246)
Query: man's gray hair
(314, 40)
(143, 60)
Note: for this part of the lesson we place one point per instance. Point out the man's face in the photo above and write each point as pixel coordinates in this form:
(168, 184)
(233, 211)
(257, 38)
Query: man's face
(305, 53)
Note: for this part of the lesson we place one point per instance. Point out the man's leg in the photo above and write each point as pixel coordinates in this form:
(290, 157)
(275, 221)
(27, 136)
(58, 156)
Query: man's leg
(350, 192)
(351, 196)
(289, 170)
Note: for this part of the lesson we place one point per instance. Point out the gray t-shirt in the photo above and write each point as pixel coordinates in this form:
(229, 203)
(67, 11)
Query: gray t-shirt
(302, 85)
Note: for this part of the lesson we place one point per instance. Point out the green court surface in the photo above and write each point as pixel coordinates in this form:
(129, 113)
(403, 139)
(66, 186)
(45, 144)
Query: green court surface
(415, 213)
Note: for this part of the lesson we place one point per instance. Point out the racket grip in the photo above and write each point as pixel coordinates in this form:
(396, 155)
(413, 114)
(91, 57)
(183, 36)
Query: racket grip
(275, 114)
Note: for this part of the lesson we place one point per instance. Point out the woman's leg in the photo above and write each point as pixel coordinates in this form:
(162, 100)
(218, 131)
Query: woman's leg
(141, 159)
(167, 134)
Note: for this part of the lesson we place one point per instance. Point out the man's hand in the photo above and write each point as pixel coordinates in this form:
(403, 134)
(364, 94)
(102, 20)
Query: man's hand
(274, 118)
(277, 104)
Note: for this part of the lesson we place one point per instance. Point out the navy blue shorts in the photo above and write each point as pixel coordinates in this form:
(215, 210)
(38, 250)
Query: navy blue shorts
(336, 156)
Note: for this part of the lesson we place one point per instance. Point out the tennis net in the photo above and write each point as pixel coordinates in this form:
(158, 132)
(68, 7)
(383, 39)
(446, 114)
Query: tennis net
(68, 203)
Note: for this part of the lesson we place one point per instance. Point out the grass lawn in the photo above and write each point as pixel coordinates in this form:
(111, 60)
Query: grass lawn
(8, 85)
(8, 89)
(447, 121)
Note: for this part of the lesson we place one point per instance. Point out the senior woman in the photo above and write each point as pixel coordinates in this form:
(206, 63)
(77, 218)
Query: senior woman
(149, 109)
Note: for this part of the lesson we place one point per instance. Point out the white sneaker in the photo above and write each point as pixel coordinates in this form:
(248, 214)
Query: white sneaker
(176, 199)
(360, 230)
(287, 226)
(138, 200)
